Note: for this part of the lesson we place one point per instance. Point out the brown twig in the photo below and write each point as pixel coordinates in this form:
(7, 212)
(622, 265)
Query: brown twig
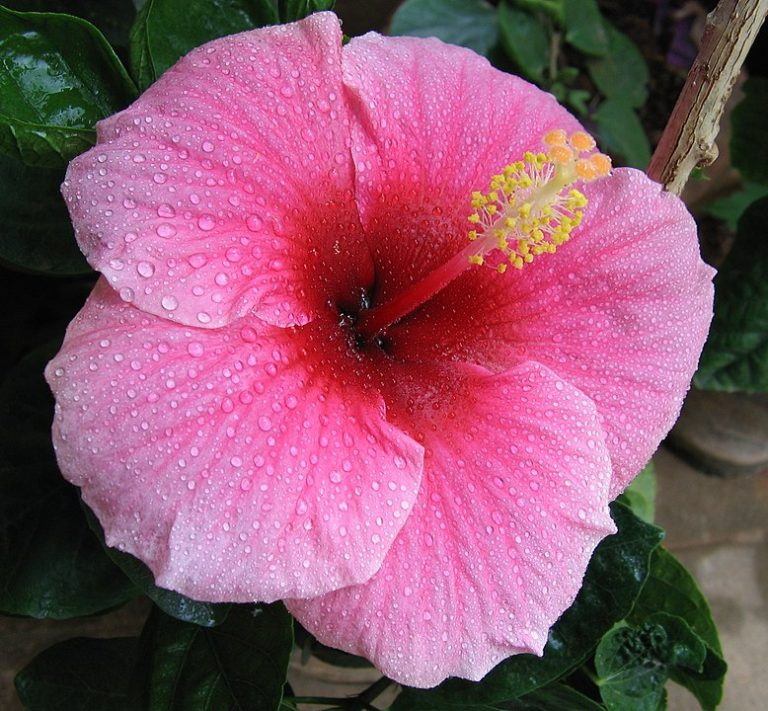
(688, 140)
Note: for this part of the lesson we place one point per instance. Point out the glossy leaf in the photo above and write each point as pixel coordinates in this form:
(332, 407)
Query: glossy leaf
(585, 28)
(80, 674)
(730, 208)
(292, 10)
(640, 496)
(112, 17)
(51, 565)
(165, 30)
(612, 583)
(634, 663)
(749, 139)
(525, 41)
(671, 588)
(58, 77)
(35, 232)
(735, 356)
(469, 23)
(621, 133)
(240, 665)
(621, 73)
(205, 614)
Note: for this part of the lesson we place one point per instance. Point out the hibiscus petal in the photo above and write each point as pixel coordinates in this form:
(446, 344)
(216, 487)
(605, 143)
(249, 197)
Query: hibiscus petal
(621, 311)
(200, 202)
(244, 463)
(512, 504)
(431, 122)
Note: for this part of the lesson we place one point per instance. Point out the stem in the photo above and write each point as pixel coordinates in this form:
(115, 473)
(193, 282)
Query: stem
(374, 690)
(688, 140)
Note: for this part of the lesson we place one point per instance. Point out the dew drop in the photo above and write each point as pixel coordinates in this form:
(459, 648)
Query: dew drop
(254, 223)
(248, 334)
(165, 230)
(265, 424)
(145, 269)
(206, 222)
(170, 303)
(197, 260)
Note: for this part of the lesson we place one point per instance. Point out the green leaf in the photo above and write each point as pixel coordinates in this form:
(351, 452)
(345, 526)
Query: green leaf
(292, 10)
(585, 28)
(469, 23)
(634, 663)
(640, 496)
(525, 41)
(58, 77)
(622, 73)
(731, 207)
(205, 614)
(80, 674)
(51, 565)
(671, 588)
(611, 585)
(165, 30)
(557, 697)
(240, 665)
(749, 139)
(735, 356)
(621, 133)
(112, 17)
(35, 231)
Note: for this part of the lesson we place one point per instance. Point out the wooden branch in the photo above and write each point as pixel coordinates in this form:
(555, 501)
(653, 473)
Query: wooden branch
(688, 140)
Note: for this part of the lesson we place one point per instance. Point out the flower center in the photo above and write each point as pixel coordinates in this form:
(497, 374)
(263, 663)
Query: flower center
(530, 209)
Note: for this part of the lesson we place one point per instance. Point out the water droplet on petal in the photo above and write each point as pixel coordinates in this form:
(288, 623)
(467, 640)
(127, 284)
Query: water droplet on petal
(145, 269)
(254, 223)
(165, 230)
(206, 222)
(169, 303)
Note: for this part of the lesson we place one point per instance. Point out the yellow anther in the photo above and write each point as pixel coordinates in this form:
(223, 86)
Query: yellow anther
(585, 170)
(582, 141)
(561, 154)
(531, 207)
(601, 163)
(555, 138)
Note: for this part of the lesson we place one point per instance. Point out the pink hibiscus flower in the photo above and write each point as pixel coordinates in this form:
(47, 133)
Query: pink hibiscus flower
(269, 396)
